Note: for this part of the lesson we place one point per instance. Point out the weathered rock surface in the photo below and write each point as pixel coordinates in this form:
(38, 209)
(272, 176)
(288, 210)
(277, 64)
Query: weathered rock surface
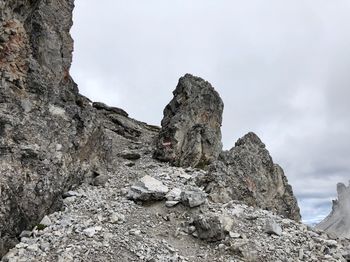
(193, 197)
(271, 227)
(248, 173)
(103, 225)
(51, 138)
(212, 227)
(190, 134)
(148, 188)
(338, 221)
(59, 151)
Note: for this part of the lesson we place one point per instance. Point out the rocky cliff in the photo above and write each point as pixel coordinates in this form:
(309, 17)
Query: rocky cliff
(338, 221)
(51, 138)
(78, 180)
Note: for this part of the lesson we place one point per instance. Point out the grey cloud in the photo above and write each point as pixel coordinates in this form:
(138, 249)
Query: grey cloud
(280, 67)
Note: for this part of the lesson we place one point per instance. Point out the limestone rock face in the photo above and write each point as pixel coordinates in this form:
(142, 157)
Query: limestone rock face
(338, 221)
(190, 134)
(38, 137)
(51, 138)
(248, 173)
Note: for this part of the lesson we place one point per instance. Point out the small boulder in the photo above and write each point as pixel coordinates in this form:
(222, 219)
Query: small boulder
(147, 189)
(26, 233)
(130, 155)
(46, 221)
(70, 194)
(193, 198)
(100, 180)
(272, 228)
(212, 227)
(174, 194)
(89, 232)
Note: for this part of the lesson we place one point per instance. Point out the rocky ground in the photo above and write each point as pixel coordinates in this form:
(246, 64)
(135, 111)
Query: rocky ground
(78, 181)
(122, 219)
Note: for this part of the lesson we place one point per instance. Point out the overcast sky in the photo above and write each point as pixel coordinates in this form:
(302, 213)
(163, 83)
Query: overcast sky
(281, 67)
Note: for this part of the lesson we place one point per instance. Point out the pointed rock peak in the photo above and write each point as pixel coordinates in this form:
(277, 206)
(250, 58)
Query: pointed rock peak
(338, 221)
(192, 85)
(249, 140)
(341, 188)
(191, 134)
(247, 173)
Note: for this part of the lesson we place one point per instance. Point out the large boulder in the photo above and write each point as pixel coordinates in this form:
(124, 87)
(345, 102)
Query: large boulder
(248, 173)
(338, 221)
(190, 134)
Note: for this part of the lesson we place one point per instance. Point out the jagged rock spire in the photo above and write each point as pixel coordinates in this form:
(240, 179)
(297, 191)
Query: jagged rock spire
(247, 173)
(338, 221)
(191, 134)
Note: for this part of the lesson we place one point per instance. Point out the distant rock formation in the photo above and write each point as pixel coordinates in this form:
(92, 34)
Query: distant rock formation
(248, 173)
(191, 134)
(338, 221)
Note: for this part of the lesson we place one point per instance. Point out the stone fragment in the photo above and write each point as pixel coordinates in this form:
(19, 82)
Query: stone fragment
(234, 235)
(148, 188)
(26, 233)
(46, 221)
(346, 254)
(130, 155)
(70, 194)
(102, 106)
(174, 194)
(33, 247)
(301, 254)
(212, 227)
(190, 134)
(90, 232)
(117, 218)
(170, 203)
(193, 198)
(100, 180)
(272, 228)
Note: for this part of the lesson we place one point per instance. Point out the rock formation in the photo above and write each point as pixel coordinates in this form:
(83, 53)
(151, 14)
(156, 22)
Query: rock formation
(101, 224)
(248, 173)
(51, 138)
(338, 221)
(78, 180)
(191, 134)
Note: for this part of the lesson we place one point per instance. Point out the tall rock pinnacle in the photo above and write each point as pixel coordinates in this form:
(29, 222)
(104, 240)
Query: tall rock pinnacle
(191, 134)
(338, 221)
